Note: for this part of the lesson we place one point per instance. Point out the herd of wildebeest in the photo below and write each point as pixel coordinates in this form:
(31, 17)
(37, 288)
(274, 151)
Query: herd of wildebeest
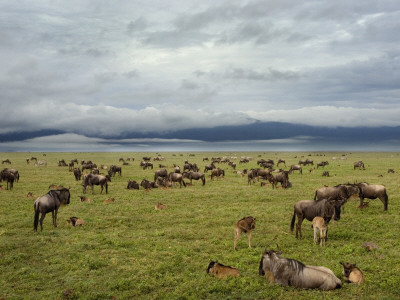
(327, 204)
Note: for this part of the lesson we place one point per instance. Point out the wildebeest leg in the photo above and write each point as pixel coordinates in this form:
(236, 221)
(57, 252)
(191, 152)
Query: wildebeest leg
(249, 237)
(55, 217)
(52, 216)
(41, 221)
(315, 236)
(237, 233)
(361, 201)
(385, 201)
(298, 226)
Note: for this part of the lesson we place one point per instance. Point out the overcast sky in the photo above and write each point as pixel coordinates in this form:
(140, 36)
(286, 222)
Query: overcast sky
(98, 68)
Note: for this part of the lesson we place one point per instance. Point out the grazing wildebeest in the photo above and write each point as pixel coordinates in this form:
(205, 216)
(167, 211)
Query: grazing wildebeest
(40, 163)
(88, 166)
(70, 166)
(91, 180)
(6, 161)
(221, 271)
(246, 225)
(325, 173)
(290, 272)
(281, 161)
(322, 164)
(160, 173)
(352, 274)
(77, 174)
(344, 192)
(146, 164)
(295, 168)
(209, 167)
(114, 169)
(146, 158)
(205, 158)
(34, 158)
(176, 177)
(283, 178)
(132, 185)
(309, 209)
(252, 175)
(217, 173)
(194, 175)
(9, 176)
(232, 164)
(49, 203)
(318, 223)
(62, 163)
(373, 191)
(359, 165)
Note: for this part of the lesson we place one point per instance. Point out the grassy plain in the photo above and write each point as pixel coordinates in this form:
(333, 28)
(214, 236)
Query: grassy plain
(128, 250)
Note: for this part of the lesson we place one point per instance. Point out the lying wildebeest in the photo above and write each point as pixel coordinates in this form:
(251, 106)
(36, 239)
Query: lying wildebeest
(359, 165)
(221, 271)
(9, 177)
(56, 187)
(109, 200)
(132, 185)
(62, 163)
(295, 168)
(146, 184)
(373, 191)
(49, 203)
(88, 166)
(6, 161)
(325, 174)
(390, 171)
(290, 272)
(114, 169)
(209, 167)
(160, 206)
(319, 224)
(74, 221)
(91, 180)
(194, 175)
(322, 164)
(164, 182)
(77, 174)
(217, 173)
(85, 199)
(176, 177)
(309, 209)
(352, 274)
(246, 225)
(160, 173)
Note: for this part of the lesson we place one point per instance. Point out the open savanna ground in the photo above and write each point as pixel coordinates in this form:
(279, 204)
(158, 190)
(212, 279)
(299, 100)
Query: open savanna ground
(129, 250)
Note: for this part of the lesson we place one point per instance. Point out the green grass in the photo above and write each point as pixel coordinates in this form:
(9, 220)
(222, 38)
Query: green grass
(128, 250)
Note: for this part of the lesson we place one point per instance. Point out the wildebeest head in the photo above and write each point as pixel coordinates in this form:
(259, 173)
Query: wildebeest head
(347, 268)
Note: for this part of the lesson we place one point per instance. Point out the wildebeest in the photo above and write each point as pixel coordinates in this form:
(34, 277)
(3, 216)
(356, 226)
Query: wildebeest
(85, 199)
(306, 162)
(221, 271)
(322, 164)
(309, 209)
(176, 177)
(217, 173)
(74, 221)
(209, 167)
(280, 161)
(325, 173)
(146, 184)
(114, 169)
(9, 177)
(40, 163)
(88, 166)
(319, 224)
(373, 191)
(359, 165)
(62, 163)
(246, 225)
(390, 171)
(252, 175)
(295, 168)
(6, 161)
(194, 175)
(352, 274)
(160, 173)
(290, 272)
(282, 177)
(91, 180)
(344, 192)
(49, 203)
(77, 174)
(146, 164)
(160, 206)
(132, 185)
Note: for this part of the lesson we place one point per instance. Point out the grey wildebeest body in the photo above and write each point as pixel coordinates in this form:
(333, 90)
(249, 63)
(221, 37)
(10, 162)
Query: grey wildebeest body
(91, 180)
(295, 168)
(339, 192)
(359, 165)
(290, 272)
(209, 167)
(373, 191)
(49, 203)
(9, 175)
(160, 173)
(194, 175)
(309, 209)
(217, 173)
(114, 169)
(77, 174)
(176, 177)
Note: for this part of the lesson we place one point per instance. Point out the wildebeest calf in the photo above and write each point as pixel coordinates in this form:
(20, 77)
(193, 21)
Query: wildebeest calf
(221, 271)
(245, 225)
(352, 274)
(319, 224)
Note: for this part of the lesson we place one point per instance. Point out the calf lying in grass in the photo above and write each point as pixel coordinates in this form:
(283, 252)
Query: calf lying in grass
(352, 274)
(74, 221)
(160, 206)
(219, 270)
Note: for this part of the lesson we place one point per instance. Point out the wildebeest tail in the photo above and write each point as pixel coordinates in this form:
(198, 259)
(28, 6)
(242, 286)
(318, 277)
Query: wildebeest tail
(293, 220)
(315, 196)
(204, 180)
(36, 219)
(386, 201)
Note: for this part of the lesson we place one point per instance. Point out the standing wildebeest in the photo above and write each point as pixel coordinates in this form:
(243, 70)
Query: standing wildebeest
(132, 185)
(146, 164)
(282, 177)
(290, 272)
(322, 164)
(221, 271)
(281, 161)
(359, 164)
(352, 274)
(318, 223)
(176, 177)
(306, 162)
(14, 172)
(114, 169)
(77, 174)
(49, 203)
(217, 173)
(6, 175)
(88, 166)
(6, 161)
(40, 163)
(295, 168)
(309, 209)
(91, 180)
(160, 173)
(373, 191)
(252, 175)
(344, 192)
(246, 225)
(209, 167)
(194, 175)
